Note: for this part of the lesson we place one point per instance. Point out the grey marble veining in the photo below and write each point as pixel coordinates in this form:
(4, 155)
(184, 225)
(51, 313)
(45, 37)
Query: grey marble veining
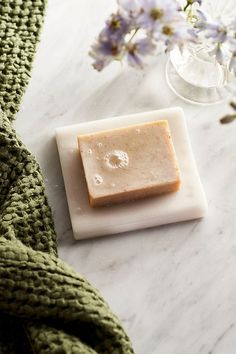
(174, 287)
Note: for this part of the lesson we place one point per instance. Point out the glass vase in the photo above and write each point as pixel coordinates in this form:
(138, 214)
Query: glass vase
(194, 74)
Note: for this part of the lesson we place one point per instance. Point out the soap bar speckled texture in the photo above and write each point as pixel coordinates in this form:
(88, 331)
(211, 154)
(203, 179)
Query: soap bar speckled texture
(187, 203)
(129, 163)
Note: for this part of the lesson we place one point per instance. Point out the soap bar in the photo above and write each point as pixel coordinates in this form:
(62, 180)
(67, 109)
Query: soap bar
(129, 163)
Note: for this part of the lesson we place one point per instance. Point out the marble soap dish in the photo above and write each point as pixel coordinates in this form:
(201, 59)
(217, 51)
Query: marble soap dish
(186, 204)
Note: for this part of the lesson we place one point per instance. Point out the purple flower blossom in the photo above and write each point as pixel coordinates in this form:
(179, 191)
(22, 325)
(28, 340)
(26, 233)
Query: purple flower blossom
(221, 39)
(110, 43)
(156, 12)
(140, 25)
(136, 51)
(215, 30)
(104, 51)
(176, 32)
(116, 27)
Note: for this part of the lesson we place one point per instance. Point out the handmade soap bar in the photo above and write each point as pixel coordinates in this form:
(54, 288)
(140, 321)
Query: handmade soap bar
(129, 163)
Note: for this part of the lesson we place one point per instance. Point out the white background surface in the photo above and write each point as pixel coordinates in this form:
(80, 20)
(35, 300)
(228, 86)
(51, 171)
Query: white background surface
(173, 287)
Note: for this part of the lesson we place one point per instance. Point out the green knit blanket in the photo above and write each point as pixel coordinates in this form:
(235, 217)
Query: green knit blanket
(45, 307)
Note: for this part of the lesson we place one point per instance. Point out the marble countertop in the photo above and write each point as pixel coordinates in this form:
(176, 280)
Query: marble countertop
(173, 287)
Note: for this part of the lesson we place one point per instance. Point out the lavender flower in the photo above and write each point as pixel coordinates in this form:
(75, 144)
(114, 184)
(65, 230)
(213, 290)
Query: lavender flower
(110, 43)
(116, 27)
(159, 21)
(163, 20)
(104, 51)
(216, 31)
(136, 51)
(218, 35)
(154, 22)
(175, 33)
(156, 12)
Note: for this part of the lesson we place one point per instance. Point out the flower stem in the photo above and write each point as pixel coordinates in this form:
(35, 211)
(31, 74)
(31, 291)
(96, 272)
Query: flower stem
(186, 6)
(136, 30)
(120, 57)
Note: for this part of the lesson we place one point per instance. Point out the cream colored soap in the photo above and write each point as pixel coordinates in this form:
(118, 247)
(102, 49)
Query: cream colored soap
(129, 163)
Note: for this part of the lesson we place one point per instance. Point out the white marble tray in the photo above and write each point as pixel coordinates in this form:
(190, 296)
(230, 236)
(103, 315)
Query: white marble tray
(188, 203)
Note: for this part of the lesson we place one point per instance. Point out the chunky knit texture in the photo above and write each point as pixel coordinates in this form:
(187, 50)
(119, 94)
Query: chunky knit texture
(45, 307)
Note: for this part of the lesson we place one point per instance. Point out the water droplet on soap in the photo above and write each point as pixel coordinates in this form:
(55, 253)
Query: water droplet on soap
(99, 144)
(117, 159)
(138, 130)
(97, 179)
(113, 184)
(89, 151)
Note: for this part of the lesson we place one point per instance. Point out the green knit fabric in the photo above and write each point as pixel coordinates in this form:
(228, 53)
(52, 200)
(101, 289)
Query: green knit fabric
(45, 307)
